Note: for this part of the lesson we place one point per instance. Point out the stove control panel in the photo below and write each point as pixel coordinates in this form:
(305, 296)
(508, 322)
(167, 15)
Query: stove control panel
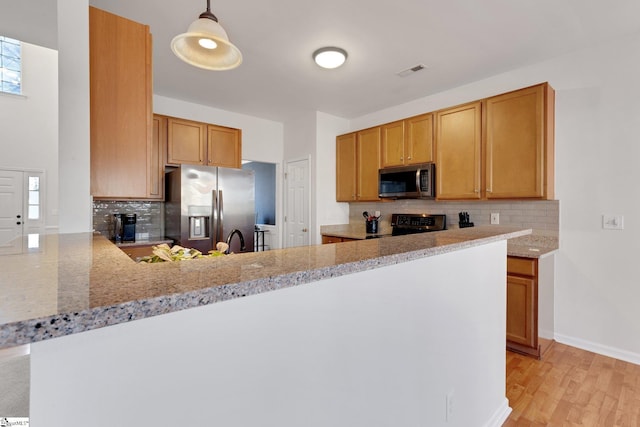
(426, 222)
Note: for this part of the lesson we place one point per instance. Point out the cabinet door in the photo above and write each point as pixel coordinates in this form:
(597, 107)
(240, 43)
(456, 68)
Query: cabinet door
(368, 160)
(156, 157)
(223, 147)
(458, 161)
(346, 168)
(392, 145)
(120, 105)
(515, 144)
(418, 136)
(186, 141)
(521, 311)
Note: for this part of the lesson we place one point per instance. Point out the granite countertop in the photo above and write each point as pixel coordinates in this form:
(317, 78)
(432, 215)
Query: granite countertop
(77, 282)
(529, 246)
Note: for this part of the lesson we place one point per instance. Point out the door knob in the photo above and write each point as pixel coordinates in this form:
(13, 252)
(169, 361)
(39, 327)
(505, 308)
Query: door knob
(304, 230)
(18, 223)
(18, 216)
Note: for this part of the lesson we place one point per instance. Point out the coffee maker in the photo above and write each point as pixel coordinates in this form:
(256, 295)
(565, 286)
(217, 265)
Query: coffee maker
(124, 227)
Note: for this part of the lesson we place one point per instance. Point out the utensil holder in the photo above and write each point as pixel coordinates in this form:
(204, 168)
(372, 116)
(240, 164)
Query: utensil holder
(372, 226)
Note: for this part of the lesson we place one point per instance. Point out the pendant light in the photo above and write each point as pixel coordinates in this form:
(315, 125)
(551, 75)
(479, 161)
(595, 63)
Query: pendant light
(206, 44)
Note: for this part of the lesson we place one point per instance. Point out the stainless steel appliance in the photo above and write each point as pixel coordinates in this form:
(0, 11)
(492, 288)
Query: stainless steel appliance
(205, 205)
(402, 224)
(407, 182)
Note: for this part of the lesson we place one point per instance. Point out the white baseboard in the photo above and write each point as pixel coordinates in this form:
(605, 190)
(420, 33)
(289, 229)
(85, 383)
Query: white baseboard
(604, 350)
(500, 416)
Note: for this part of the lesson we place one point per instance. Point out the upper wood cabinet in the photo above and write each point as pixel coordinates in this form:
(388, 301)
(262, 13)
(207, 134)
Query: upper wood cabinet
(368, 163)
(223, 146)
(186, 141)
(121, 108)
(392, 147)
(357, 164)
(495, 148)
(520, 144)
(346, 168)
(458, 152)
(156, 174)
(407, 142)
(190, 142)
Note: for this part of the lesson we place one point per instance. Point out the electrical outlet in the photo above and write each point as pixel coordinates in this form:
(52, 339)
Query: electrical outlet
(613, 222)
(450, 405)
(377, 213)
(495, 218)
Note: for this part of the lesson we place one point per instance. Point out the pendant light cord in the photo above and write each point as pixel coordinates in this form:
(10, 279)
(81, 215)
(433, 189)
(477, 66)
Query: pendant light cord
(207, 14)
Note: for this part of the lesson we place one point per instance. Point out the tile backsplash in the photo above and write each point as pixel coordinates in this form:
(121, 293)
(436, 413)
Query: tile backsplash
(540, 215)
(150, 217)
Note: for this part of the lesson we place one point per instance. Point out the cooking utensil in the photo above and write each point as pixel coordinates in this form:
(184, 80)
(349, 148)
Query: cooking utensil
(365, 214)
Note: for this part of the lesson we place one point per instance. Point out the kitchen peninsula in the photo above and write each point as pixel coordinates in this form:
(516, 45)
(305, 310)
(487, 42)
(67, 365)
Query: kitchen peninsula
(361, 333)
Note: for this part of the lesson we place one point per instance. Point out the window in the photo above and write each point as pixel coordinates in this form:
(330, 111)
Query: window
(10, 66)
(34, 198)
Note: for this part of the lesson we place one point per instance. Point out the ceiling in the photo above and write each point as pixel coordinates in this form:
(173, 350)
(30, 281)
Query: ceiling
(459, 41)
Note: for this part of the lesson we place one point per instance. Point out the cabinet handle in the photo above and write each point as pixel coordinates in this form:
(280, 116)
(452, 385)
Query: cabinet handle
(409, 158)
(401, 158)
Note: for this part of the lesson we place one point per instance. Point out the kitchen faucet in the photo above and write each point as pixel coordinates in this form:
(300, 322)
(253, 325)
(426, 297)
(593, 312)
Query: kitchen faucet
(230, 237)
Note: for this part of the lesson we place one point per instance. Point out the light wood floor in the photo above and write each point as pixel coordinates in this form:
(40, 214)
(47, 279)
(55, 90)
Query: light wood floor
(572, 387)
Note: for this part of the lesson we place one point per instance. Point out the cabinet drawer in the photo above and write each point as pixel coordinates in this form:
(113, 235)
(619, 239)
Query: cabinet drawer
(522, 266)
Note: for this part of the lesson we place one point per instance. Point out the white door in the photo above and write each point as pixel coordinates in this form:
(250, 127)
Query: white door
(11, 215)
(297, 212)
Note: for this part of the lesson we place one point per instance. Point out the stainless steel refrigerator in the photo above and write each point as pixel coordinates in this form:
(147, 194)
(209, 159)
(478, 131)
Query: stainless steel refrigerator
(205, 205)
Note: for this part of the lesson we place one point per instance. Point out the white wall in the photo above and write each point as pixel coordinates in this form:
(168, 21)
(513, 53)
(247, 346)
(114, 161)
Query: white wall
(358, 350)
(597, 154)
(29, 124)
(74, 133)
(329, 211)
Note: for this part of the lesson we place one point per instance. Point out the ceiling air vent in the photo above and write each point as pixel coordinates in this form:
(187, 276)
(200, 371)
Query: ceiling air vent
(414, 69)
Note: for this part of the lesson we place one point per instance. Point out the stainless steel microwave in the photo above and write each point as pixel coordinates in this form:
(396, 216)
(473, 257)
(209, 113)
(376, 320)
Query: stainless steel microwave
(407, 182)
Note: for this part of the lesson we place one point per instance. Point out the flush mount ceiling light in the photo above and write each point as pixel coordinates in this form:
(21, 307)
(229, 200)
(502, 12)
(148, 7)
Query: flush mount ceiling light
(206, 44)
(330, 57)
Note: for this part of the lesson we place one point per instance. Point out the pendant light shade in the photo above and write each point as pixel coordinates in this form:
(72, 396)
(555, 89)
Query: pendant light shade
(206, 44)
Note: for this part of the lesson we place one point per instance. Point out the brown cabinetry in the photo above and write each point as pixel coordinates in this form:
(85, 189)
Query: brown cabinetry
(186, 141)
(407, 142)
(357, 164)
(520, 144)
(495, 148)
(122, 146)
(335, 239)
(458, 152)
(197, 143)
(346, 168)
(135, 252)
(223, 147)
(522, 305)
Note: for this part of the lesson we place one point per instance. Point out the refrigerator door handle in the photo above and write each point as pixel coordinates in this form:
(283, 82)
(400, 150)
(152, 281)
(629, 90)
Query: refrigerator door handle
(214, 219)
(220, 216)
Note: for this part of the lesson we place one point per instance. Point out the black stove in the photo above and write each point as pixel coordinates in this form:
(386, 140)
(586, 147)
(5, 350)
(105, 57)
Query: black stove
(402, 224)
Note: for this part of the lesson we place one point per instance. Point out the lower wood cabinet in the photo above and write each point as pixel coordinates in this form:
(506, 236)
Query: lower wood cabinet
(335, 239)
(522, 305)
(136, 252)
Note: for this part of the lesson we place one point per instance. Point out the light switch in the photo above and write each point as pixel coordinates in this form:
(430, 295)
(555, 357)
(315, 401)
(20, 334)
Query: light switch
(612, 222)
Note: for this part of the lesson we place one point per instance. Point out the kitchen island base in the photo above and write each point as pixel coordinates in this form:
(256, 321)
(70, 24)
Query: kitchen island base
(373, 348)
